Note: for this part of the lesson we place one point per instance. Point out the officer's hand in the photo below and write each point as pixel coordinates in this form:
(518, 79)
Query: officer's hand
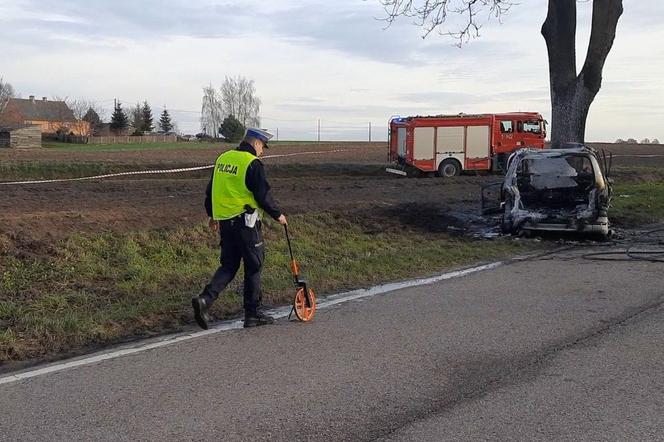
(282, 220)
(214, 225)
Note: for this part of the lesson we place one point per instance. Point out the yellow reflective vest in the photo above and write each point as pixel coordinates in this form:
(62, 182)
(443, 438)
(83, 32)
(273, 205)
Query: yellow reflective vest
(229, 190)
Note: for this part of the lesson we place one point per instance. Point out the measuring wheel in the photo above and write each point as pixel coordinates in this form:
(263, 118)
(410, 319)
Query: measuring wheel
(304, 308)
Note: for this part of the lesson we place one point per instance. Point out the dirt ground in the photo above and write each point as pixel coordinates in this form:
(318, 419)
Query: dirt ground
(347, 179)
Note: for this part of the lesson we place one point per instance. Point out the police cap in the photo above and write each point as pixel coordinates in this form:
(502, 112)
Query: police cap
(259, 134)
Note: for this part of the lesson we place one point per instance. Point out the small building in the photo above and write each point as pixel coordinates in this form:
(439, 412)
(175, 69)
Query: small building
(52, 117)
(24, 136)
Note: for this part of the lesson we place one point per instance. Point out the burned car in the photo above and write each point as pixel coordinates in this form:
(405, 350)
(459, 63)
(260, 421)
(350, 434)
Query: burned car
(555, 190)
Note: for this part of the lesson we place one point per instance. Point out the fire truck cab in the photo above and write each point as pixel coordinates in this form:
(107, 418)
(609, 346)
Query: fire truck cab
(450, 144)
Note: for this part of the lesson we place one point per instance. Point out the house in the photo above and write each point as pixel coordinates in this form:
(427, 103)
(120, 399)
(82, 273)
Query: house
(52, 117)
(22, 136)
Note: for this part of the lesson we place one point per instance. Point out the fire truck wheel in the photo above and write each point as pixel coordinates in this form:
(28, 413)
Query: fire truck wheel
(449, 168)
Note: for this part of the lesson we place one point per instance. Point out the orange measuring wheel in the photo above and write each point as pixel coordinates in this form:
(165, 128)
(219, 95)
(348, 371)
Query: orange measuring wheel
(304, 308)
(304, 303)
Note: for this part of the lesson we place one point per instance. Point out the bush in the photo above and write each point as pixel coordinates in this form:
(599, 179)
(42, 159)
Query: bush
(232, 129)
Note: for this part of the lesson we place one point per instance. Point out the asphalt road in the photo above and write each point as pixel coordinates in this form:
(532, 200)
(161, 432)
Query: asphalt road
(555, 349)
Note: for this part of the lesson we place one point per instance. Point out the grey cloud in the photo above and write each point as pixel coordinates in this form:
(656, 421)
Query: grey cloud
(358, 33)
(640, 15)
(324, 107)
(348, 27)
(433, 98)
(149, 19)
(305, 100)
(452, 102)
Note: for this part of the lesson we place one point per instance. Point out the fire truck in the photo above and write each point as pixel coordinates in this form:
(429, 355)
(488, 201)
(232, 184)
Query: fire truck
(451, 144)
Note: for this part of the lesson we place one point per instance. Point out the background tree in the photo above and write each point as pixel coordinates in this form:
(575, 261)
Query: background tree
(136, 119)
(165, 124)
(146, 113)
(81, 107)
(78, 106)
(238, 98)
(654, 141)
(119, 120)
(92, 117)
(6, 92)
(232, 129)
(572, 92)
(211, 112)
(631, 141)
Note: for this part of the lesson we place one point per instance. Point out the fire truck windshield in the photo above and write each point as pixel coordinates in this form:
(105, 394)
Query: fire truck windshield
(532, 126)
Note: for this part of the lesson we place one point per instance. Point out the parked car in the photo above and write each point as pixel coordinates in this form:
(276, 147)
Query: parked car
(203, 137)
(555, 190)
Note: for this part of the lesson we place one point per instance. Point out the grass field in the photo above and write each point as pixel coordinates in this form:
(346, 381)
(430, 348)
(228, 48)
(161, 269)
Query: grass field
(193, 145)
(636, 204)
(37, 170)
(93, 263)
(71, 147)
(104, 288)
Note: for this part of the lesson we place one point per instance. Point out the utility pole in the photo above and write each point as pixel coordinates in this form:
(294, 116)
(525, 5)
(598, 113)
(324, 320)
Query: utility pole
(277, 134)
(319, 130)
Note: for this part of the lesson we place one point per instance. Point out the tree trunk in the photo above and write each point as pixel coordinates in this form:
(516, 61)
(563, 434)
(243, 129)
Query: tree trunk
(572, 94)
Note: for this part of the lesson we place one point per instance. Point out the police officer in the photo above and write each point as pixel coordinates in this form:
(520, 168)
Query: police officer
(237, 190)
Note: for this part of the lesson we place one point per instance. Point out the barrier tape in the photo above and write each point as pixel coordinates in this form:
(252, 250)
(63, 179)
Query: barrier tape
(109, 175)
(162, 171)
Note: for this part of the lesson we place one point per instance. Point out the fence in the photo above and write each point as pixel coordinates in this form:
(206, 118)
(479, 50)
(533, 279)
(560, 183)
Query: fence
(121, 139)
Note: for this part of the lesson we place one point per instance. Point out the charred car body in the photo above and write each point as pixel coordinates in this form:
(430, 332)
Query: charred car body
(556, 190)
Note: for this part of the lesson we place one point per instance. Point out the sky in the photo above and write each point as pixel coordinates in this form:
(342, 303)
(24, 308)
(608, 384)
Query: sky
(317, 60)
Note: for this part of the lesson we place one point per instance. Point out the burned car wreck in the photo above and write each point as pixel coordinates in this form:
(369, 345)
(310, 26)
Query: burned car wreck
(555, 190)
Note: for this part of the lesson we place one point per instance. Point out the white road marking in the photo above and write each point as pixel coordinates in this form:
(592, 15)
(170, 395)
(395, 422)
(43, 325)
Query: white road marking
(277, 313)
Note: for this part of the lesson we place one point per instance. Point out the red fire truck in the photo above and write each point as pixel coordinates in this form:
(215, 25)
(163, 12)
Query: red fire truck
(450, 144)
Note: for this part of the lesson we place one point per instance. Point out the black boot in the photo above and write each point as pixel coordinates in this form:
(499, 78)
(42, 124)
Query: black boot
(200, 305)
(256, 319)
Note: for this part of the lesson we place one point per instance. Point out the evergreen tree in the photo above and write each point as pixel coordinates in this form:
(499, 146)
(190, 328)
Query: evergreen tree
(147, 117)
(93, 118)
(165, 123)
(136, 119)
(119, 120)
(232, 129)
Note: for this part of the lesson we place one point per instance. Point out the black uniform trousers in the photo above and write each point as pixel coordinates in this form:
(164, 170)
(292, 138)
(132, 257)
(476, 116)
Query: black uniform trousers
(239, 243)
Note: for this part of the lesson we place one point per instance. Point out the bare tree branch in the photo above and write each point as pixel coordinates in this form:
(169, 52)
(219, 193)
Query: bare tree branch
(6, 92)
(433, 15)
(211, 112)
(238, 98)
(79, 106)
